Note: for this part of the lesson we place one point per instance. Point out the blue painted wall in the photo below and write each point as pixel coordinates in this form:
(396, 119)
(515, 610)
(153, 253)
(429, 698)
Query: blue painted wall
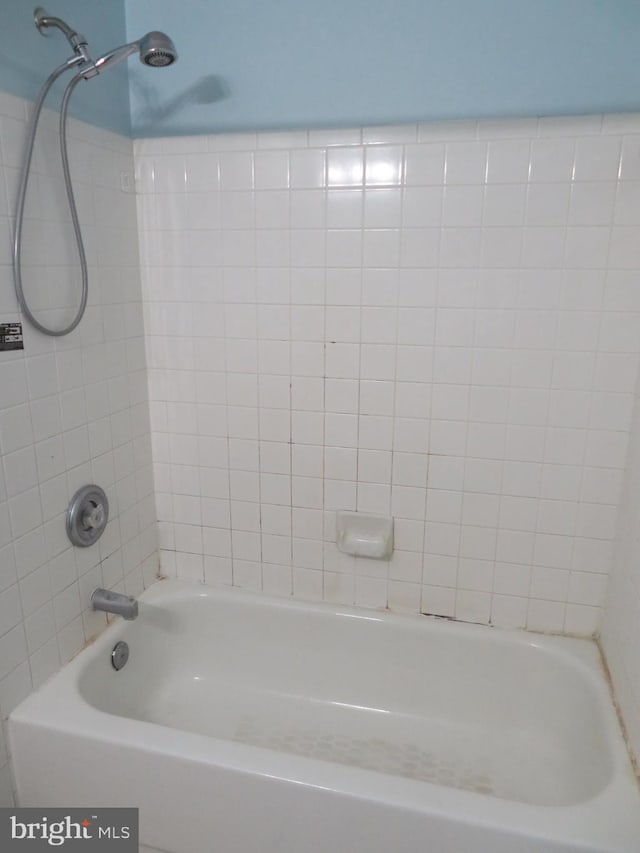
(27, 58)
(247, 64)
(252, 64)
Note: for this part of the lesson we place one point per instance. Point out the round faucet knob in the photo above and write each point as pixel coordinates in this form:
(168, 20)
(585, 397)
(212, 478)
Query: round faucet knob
(87, 515)
(93, 517)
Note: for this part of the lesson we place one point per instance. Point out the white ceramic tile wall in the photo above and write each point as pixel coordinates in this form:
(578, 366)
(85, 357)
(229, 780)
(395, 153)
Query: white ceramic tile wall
(621, 624)
(441, 322)
(73, 410)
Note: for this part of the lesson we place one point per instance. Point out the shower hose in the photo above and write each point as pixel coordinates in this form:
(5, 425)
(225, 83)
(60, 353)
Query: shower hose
(22, 192)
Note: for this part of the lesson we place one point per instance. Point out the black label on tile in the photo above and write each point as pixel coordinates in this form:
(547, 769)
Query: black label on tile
(11, 336)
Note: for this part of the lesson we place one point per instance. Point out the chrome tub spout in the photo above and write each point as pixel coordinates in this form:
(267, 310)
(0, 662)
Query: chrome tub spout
(114, 602)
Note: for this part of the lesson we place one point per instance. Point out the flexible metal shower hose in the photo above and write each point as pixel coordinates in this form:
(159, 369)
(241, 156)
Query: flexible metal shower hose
(22, 193)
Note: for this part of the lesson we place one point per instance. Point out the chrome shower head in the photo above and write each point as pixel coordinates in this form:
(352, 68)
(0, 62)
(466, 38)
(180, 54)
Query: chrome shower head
(154, 48)
(157, 49)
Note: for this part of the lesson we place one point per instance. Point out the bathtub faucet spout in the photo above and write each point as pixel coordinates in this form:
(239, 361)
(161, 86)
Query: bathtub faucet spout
(114, 602)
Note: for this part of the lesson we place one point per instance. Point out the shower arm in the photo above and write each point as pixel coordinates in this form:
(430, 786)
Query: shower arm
(78, 42)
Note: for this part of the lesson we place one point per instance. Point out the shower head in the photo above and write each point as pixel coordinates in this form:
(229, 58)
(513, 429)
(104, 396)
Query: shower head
(154, 48)
(157, 49)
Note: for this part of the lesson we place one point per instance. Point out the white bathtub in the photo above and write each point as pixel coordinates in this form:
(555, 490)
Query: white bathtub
(247, 725)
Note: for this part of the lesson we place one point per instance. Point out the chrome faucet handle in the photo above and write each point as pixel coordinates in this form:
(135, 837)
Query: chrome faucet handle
(87, 515)
(94, 517)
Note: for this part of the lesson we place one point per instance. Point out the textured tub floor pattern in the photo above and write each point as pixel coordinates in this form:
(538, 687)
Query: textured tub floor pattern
(399, 759)
(521, 763)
